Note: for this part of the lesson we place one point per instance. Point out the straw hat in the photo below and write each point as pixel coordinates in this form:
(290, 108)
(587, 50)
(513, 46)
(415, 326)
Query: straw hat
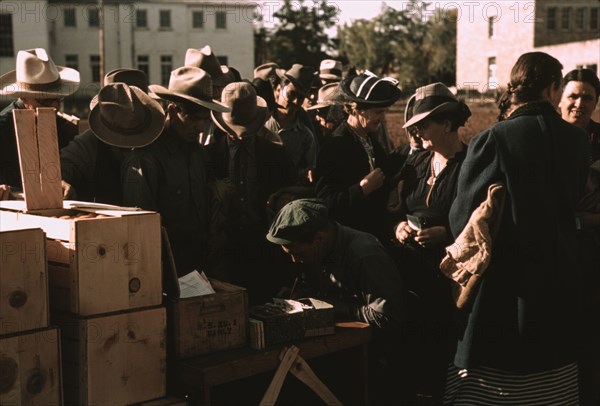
(125, 116)
(36, 76)
(190, 84)
(248, 112)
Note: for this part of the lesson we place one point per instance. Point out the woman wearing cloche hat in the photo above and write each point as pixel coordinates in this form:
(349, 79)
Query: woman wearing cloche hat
(428, 188)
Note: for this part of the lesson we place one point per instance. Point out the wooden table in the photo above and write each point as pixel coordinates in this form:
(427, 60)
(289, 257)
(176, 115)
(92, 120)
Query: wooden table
(196, 376)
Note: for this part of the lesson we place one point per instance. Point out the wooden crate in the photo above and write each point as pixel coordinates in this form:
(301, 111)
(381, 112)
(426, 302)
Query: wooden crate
(30, 369)
(203, 324)
(23, 281)
(117, 359)
(107, 263)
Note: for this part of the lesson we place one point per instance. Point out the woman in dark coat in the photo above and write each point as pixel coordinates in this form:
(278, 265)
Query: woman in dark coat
(425, 189)
(519, 339)
(350, 173)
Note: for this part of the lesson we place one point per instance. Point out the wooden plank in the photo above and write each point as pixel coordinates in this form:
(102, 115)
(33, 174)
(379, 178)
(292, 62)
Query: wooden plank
(29, 160)
(55, 228)
(31, 369)
(287, 360)
(51, 189)
(23, 281)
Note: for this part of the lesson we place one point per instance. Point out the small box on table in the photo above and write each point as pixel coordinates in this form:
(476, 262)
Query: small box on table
(203, 324)
(289, 320)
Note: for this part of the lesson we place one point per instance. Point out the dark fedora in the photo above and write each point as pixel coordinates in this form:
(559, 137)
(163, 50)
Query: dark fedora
(248, 112)
(125, 116)
(371, 91)
(302, 77)
(131, 77)
(190, 84)
(432, 99)
(266, 71)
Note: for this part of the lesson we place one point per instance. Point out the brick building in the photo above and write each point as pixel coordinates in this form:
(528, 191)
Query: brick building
(492, 35)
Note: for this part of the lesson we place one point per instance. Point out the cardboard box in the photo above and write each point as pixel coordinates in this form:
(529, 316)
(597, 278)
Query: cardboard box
(101, 261)
(23, 281)
(203, 324)
(117, 359)
(30, 369)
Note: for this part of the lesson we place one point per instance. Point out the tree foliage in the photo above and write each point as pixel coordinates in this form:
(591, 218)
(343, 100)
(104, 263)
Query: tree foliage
(299, 35)
(414, 44)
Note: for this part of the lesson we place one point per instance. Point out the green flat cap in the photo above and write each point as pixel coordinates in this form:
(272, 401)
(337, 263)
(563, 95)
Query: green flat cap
(298, 220)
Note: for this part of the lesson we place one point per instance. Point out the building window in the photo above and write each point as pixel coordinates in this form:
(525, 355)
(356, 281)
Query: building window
(6, 35)
(72, 61)
(165, 19)
(491, 26)
(565, 19)
(143, 64)
(221, 19)
(141, 18)
(93, 17)
(580, 19)
(492, 68)
(166, 66)
(95, 66)
(223, 60)
(551, 23)
(197, 19)
(594, 18)
(69, 14)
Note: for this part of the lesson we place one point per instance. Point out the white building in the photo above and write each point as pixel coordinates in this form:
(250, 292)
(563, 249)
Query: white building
(492, 35)
(151, 35)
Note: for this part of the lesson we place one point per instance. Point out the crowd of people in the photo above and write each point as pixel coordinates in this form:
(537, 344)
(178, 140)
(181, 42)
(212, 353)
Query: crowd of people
(289, 179)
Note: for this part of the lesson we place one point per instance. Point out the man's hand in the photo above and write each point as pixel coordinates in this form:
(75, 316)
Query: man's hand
(372, 182)
(4, 192)
(68, 190)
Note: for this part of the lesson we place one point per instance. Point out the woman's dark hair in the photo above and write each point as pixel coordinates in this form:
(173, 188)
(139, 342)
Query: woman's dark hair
(458, 118)
(583, 75)
(532, 73)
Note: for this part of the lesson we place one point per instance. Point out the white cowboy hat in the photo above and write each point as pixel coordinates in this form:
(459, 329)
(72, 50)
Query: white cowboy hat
(38, 77)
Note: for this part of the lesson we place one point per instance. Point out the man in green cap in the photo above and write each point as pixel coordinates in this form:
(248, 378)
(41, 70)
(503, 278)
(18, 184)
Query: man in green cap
(364, 282)
(358, 277)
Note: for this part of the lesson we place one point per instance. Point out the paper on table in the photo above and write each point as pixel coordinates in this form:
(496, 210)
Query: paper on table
(195, 284)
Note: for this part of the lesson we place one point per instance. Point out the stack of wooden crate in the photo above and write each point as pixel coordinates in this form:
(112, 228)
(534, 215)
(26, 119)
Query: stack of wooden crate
(30, 369)
(104, 278)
